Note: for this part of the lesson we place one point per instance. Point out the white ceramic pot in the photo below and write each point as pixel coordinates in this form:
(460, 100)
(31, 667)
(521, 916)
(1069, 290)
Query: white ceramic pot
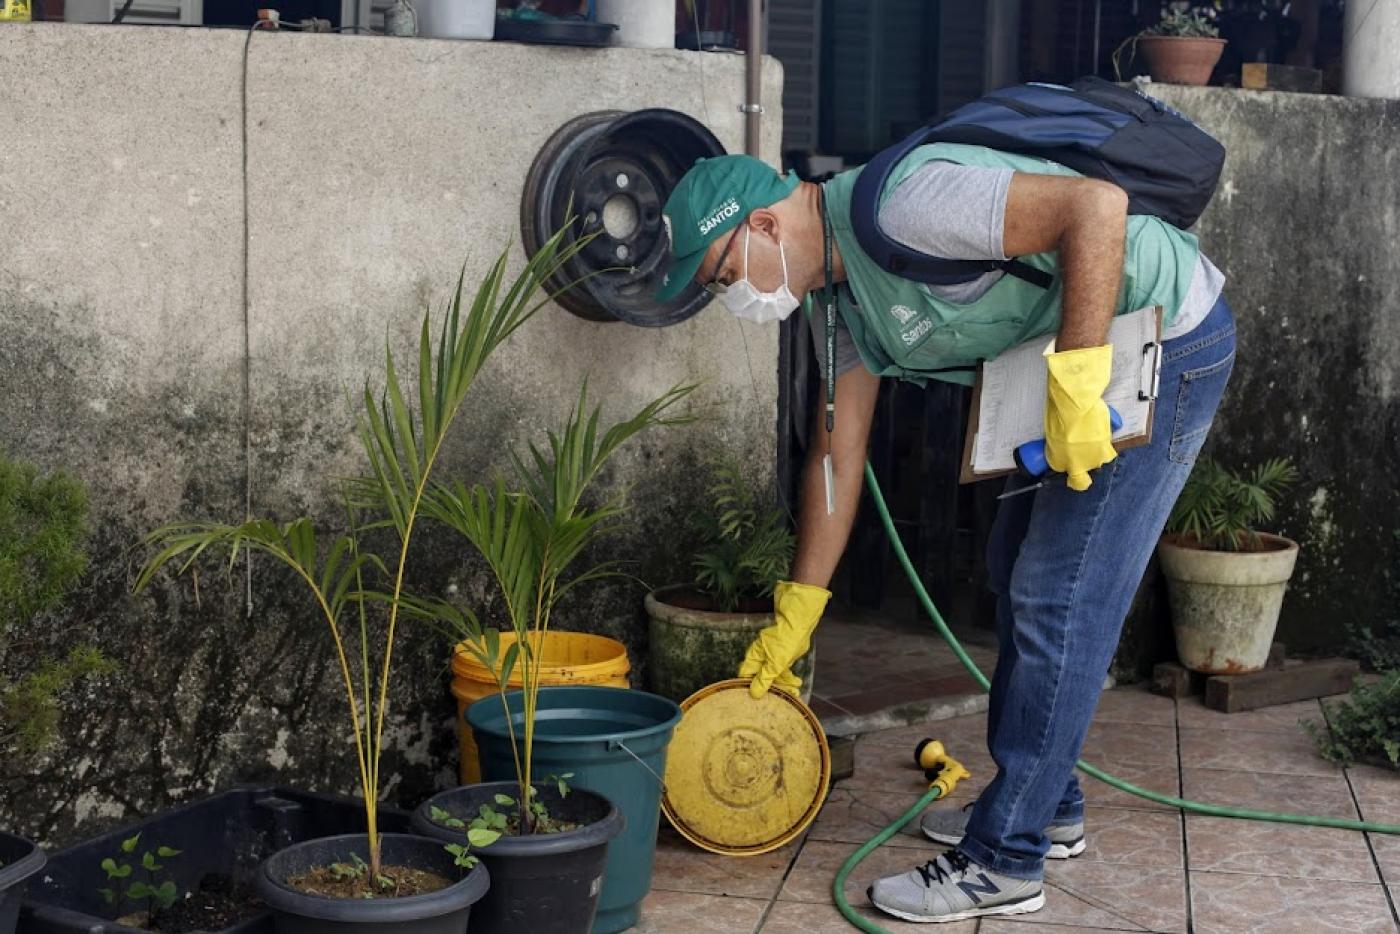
(456, 19)
(641, 24)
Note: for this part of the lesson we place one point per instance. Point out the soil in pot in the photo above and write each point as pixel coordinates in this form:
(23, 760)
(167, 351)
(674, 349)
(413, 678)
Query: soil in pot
(544, 883)
(340, 881)
(444, 909)
(217, 903)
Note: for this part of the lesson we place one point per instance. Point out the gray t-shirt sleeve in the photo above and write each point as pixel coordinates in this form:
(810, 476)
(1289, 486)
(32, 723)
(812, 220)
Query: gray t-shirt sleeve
(949, 210)
(847, 356)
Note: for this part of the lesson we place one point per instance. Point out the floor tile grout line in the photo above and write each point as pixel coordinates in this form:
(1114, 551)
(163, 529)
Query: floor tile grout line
(1181, 815)
(1370, 844)
(777, 893)
(1272, 875)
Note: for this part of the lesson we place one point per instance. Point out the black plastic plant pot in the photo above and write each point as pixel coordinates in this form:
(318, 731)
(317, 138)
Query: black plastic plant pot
(223, 840)
(543, 883)
(19, 859)
(445, 911)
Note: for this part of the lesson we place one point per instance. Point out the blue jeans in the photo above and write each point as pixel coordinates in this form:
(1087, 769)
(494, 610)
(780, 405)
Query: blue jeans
(1064, 567)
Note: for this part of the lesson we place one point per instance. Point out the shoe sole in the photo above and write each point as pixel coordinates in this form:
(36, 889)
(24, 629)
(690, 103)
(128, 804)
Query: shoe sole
(1024, 906)
(1057, 850)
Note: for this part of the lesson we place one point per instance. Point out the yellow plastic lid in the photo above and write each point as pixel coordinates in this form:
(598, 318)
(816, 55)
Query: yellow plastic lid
(745, 776)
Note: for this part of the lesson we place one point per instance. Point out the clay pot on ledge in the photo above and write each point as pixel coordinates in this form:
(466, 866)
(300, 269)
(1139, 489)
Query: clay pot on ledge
(1181, 59)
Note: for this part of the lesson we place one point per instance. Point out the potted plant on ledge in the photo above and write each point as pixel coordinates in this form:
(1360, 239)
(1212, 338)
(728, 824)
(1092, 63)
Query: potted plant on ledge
(700, 631)
(1225, 581)
(1184, 47)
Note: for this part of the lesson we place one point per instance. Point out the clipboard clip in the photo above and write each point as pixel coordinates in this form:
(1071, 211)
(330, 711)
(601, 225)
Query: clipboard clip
(1151, 373)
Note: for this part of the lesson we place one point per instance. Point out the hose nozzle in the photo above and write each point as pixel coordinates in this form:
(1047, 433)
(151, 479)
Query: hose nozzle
(940, 769)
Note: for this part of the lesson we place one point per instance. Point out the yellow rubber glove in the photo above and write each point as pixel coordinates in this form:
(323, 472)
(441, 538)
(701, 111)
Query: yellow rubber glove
(797, 608)
(1078, 437)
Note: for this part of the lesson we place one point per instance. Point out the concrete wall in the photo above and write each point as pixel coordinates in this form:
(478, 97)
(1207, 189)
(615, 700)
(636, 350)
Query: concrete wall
(374, 168)
(1305, 225)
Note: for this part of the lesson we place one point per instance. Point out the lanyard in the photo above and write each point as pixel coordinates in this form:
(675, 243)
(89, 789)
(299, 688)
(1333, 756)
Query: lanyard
(829, 301)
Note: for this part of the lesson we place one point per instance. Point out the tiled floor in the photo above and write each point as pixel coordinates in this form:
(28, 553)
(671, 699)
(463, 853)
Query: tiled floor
(1147, 868)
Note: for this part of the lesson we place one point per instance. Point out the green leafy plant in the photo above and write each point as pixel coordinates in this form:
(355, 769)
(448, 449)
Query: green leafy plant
(745, 545)
(483, 831)
(1187, 20)
(1365, 726)
(155, 891)
(43, 527)
(1219, 508)
(402, 434)
(531, 537)
(1377, 643)
(490, 820)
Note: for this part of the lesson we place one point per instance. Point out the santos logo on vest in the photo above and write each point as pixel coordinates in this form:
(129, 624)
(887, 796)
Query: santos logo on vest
(903, 314)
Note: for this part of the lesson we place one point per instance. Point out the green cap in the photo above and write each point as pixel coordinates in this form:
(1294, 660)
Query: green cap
(710, 200)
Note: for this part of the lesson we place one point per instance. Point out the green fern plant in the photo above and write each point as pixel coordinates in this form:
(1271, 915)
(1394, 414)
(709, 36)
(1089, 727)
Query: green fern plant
(1220, 508)
(43, 528)
(745, 545)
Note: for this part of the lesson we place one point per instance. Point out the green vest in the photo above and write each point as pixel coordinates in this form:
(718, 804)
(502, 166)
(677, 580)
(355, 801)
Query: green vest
(902, 329)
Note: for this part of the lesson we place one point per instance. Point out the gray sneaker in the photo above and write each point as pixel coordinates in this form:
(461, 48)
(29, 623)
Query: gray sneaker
(953, 888)
(947, 825)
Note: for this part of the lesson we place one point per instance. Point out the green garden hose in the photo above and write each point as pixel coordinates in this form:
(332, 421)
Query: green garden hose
(1194, 807)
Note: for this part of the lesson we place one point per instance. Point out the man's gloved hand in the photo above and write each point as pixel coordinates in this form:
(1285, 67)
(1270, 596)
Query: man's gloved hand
(1078, 438)
(797, 608)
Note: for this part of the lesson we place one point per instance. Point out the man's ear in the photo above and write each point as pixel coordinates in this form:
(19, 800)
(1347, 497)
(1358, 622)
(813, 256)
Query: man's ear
(764, 221)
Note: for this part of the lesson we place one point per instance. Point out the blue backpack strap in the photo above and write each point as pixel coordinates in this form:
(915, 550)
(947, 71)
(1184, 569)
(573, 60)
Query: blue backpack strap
(900, 260)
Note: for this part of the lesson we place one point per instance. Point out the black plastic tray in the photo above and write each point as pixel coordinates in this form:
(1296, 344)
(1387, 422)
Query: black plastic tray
(228, 833)
(555, 32)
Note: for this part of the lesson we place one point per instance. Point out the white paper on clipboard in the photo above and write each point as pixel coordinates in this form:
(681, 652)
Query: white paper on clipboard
(1011, 404)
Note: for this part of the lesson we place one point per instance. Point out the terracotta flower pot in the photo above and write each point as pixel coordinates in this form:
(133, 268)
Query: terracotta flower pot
(1181, 59)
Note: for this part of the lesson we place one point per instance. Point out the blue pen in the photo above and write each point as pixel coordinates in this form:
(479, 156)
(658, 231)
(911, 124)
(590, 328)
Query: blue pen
(1030, 457)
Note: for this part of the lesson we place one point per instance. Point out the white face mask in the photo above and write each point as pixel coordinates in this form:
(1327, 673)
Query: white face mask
(747, 302)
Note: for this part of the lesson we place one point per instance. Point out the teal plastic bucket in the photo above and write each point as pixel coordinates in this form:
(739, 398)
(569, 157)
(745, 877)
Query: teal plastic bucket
(614, 741)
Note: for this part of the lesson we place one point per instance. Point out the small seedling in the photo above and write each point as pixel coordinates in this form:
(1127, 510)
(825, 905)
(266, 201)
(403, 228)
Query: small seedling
(157, 893)
(357, 868)
(476, 837)
(445, 818)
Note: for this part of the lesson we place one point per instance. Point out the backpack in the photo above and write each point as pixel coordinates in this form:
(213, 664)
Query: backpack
(1168, 166)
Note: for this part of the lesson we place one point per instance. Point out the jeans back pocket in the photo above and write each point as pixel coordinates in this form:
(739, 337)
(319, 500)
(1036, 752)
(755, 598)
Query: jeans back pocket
(1196, 402)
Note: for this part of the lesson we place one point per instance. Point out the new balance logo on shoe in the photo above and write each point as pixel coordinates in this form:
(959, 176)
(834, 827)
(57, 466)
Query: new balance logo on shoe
(975, 891)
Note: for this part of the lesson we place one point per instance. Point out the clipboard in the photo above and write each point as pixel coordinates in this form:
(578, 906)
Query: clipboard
(1006, 390)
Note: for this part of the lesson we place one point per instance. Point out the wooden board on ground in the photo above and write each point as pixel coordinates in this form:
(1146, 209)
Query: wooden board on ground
(1172, 679)
(1294, 682)
(1262, 76)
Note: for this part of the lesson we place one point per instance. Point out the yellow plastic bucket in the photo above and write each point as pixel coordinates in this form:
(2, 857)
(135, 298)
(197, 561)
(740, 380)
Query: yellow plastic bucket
(565, 658)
